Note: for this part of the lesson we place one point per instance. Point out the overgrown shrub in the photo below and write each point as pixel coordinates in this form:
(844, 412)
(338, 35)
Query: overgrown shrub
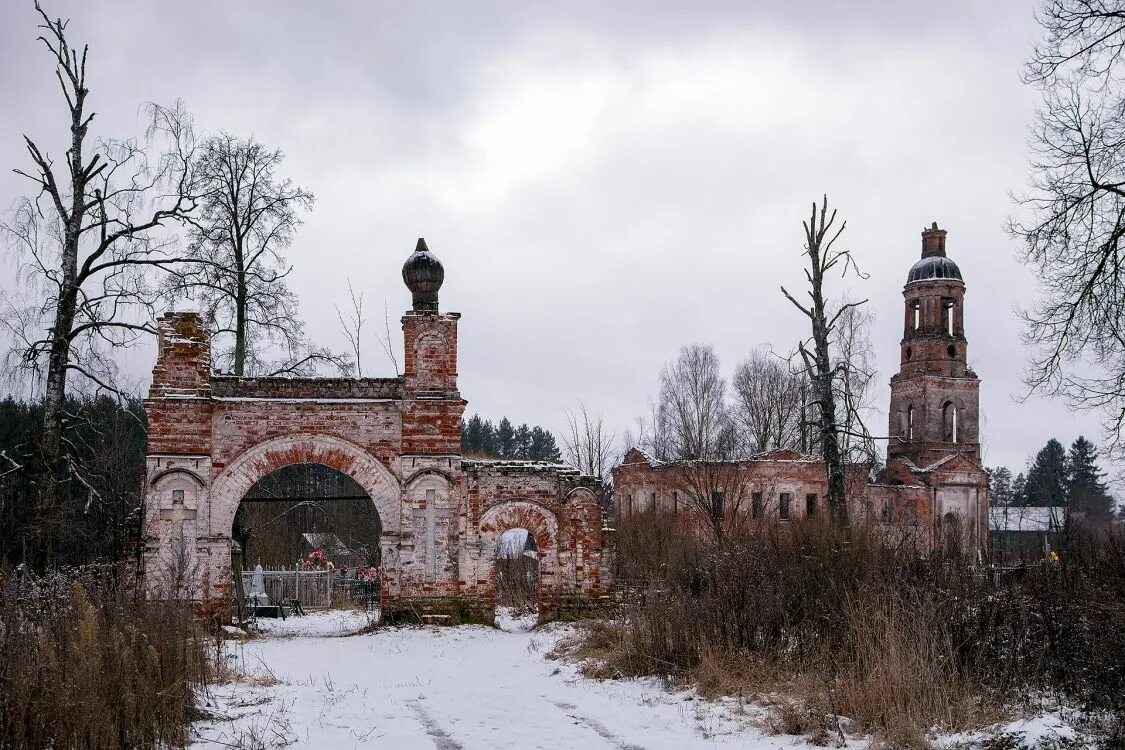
(85, 662)
(898, 641)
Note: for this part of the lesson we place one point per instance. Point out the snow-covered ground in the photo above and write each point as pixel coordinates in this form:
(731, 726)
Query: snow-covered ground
(308, 684)
(449, 688)
(512, 620)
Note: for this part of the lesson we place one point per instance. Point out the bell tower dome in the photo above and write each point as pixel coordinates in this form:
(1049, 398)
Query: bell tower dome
(935, 401)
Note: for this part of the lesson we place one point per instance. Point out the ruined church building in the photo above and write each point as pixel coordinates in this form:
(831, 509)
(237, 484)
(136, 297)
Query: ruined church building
(933, 490)
(212, 437)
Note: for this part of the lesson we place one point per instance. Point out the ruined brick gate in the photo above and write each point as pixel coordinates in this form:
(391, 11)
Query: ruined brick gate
(211, 437)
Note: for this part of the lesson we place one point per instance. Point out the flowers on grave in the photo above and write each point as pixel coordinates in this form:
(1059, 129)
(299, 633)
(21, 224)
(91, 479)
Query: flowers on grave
(317, 560)
(367, 575)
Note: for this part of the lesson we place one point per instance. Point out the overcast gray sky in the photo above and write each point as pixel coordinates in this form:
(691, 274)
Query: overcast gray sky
(604, 182)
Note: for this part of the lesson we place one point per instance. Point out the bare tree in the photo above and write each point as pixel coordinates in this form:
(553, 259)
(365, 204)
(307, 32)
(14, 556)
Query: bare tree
(248, 215)
(716, 489)
(589, 445)
(692, 412)
(352, 326)
(697, 435)
(1072, 220)
(854, 360)
(386, 343)
(89, 239)
(768, 401)
(815, 352)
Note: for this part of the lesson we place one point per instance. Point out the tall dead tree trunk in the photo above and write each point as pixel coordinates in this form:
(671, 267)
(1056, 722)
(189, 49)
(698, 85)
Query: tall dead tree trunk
(87, 243)
(823, 257)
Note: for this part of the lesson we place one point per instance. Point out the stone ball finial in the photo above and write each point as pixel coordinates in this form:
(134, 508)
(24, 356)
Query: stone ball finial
(423, 274)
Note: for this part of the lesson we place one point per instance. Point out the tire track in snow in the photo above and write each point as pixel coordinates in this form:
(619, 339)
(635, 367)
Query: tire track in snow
(442, 739)
(570, 710)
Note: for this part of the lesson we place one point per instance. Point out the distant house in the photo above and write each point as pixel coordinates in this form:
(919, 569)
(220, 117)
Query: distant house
(1025, 534)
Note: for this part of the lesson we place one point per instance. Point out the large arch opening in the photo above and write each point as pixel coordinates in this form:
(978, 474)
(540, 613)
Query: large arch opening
(517, 580)
(305, 536)
(250, 473)
(299, 509)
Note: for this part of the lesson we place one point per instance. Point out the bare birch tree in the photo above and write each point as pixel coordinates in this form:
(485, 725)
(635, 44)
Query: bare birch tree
(854, 359)
(89, 239)
(699, 437)
(1072, 219)
(768, 402)
(692, 410)
(352, 326)
(589, 445)
(815, 352)
(248, 215)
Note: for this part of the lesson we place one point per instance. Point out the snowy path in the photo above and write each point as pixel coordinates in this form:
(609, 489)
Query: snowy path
(452, 689)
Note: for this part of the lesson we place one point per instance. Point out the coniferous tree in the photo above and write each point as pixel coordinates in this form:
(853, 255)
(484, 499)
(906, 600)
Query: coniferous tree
(472, 435)
(543, 447)
(1000, 485)
(488, 438)
(523, 442)
(1088, 494)
(1047, 479)
(480, 438)
(1019, 490)
(505, 439)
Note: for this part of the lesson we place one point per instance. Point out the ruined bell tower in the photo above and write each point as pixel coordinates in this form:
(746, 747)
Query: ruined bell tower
(935, 402)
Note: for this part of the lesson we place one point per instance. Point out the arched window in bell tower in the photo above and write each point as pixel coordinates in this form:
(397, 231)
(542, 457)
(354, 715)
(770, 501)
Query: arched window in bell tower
(947, 307)
(949, 422)
(909, 422)
(915, 316)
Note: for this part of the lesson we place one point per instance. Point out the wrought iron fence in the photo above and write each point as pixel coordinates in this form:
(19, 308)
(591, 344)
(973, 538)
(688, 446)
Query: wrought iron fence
(315, 589)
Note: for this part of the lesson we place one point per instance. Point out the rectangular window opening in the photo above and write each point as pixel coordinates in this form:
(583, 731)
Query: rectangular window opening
(785, 501)
(810, 504)
(717, 504)
(756, 505)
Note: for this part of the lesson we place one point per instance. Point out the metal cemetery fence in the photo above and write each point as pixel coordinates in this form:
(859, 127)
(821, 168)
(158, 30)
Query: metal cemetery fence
(315, 589)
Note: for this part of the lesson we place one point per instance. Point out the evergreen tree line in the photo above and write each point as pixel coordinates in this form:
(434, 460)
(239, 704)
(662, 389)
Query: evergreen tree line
(479, 437)
(1056, 477)
(95, 509)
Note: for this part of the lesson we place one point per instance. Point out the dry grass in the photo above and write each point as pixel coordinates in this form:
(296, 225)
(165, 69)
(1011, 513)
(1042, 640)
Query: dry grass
(86, 663)
(841, 626)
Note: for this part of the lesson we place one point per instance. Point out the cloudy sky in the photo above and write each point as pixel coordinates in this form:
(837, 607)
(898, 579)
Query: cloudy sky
(604, 182)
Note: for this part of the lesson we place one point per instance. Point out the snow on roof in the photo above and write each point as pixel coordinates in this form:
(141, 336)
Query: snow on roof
(1026, 519)
(513, 463)
(326, 541)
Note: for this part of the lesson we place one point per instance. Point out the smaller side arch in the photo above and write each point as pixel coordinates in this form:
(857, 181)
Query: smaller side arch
(544, 526)
(521, 514)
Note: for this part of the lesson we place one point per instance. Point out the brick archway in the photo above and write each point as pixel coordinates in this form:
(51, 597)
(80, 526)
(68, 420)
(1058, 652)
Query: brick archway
(541, 524)
(376, 480)
(211, 437)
